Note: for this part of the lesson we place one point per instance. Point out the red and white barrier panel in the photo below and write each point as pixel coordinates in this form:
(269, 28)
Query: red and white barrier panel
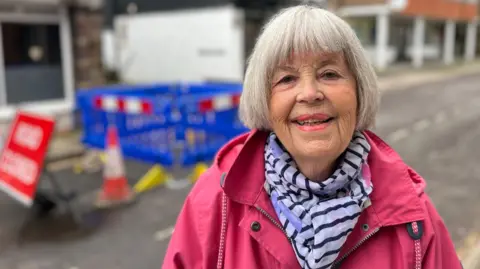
(220, 103)
(130, 105)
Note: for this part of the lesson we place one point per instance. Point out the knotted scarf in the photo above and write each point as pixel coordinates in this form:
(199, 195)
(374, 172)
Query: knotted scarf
(318, 216)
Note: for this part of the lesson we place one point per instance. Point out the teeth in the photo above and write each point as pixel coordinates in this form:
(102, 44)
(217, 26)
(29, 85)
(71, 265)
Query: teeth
(311, 122)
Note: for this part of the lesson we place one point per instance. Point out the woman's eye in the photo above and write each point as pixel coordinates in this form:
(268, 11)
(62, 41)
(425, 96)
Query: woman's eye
(286, 79)
(330, 75)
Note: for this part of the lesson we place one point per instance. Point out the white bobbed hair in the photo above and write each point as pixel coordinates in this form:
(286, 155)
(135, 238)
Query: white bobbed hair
(305, 29)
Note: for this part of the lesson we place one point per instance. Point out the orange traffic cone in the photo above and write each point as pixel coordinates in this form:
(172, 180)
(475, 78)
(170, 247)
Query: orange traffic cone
(115, 188)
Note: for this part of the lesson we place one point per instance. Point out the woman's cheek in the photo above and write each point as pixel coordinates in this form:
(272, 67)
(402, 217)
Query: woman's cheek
(279, 107)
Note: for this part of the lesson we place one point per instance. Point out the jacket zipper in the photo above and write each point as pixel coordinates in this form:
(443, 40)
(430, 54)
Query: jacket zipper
(339, 261)
(223, 232)
(272, 220)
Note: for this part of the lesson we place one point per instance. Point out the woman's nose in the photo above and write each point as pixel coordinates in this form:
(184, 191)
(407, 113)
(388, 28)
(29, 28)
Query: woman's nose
(309, 92)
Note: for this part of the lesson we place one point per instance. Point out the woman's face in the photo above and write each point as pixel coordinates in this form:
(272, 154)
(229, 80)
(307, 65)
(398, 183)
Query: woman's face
(313, 106)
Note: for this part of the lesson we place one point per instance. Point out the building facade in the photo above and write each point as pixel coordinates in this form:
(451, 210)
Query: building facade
(414, 31)
(42, 57)
(198, 40)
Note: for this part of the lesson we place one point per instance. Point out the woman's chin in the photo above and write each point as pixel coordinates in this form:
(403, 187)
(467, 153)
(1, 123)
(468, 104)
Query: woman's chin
(317, 148)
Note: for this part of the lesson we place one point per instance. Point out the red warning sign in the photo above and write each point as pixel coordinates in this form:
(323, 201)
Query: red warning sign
(23, 154)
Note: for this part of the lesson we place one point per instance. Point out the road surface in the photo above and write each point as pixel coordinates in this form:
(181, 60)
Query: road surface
(434, 127)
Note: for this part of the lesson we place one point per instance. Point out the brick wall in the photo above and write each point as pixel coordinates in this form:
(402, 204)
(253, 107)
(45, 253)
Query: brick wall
(441, 9)
(433, 9)
(86, 29)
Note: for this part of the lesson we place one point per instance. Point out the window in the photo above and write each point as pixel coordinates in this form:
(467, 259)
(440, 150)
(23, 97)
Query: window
(365, 30)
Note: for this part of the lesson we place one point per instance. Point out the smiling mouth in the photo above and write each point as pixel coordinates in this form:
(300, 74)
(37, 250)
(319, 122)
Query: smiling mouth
(313, 122)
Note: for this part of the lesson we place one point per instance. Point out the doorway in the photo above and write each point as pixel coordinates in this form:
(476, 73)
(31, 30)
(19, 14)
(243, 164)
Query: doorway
(33, 62)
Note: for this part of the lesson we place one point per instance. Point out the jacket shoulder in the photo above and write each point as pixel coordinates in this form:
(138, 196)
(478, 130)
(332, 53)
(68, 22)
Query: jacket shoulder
(210, 183)
(439, 249)
(207, 187)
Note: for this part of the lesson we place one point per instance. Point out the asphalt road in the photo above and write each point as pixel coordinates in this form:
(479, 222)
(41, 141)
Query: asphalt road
(435, 128)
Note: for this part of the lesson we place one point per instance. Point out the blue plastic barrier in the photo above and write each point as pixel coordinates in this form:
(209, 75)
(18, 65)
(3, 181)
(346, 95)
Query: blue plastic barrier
(183, 127)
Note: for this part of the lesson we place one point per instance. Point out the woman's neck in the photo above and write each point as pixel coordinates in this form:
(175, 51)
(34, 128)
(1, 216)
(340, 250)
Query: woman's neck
(317, 171)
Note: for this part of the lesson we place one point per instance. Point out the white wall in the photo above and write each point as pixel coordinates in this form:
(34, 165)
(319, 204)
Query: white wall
(188, 45)
(371, 53)
(430, 52)
(108, 49)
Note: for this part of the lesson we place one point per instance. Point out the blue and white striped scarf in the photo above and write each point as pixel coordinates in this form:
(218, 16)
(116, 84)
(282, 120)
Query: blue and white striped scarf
(318, 216)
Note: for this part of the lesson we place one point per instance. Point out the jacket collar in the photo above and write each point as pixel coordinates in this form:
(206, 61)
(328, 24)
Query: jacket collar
(395, 197)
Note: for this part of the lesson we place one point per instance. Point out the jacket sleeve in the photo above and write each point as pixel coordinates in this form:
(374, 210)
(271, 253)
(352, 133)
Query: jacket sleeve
(440, 252)
(194, 242)
(185, 249)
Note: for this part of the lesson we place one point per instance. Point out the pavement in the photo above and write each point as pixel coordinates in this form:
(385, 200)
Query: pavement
(432, 118)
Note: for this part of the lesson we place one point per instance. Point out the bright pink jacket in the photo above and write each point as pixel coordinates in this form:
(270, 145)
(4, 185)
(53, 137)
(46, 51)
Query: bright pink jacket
(229, 222)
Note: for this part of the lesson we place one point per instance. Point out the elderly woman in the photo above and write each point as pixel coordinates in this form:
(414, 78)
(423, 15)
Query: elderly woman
(309, 186)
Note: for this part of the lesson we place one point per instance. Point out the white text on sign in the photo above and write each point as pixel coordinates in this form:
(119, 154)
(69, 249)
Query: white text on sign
(29, 136)
(18, 166)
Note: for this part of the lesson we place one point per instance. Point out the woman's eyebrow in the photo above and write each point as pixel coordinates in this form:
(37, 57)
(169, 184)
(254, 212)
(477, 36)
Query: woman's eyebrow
(287, 68)
(328, 61)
